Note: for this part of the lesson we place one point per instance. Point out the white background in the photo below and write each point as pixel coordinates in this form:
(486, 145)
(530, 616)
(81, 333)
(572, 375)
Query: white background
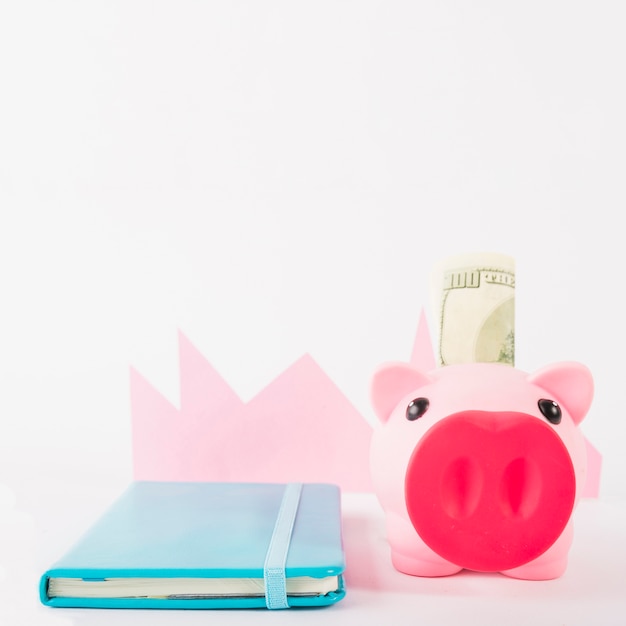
(277, 178)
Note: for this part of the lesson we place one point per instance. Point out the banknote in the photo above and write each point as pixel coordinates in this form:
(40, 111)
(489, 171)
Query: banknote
(473, 300)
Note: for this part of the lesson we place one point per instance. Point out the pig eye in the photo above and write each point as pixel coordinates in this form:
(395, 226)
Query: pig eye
(417, 408)
(551, 411)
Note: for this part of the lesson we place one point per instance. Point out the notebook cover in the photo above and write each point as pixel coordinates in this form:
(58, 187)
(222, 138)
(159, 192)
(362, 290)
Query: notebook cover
(218, 530)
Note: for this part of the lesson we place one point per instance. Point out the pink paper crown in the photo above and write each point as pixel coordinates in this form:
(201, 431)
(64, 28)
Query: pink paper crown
(299, 428)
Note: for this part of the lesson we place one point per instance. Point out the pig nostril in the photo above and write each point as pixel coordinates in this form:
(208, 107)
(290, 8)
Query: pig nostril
(461, 487)
(520, 488)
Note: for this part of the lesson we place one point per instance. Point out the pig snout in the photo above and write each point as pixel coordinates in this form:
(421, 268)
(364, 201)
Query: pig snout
(490, 491)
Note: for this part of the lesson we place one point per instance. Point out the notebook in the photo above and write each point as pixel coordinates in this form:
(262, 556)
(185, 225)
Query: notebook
(186, 545)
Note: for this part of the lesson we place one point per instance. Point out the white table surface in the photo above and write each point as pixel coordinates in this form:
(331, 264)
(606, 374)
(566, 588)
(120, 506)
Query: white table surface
(46, 504)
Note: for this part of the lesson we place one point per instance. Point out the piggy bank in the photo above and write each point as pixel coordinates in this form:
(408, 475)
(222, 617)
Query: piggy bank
(479, 466)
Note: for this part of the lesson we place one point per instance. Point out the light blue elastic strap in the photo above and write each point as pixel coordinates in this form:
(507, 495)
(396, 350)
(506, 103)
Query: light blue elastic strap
(276, 557)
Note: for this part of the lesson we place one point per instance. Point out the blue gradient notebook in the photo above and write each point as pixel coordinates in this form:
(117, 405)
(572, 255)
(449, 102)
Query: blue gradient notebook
(206, 545)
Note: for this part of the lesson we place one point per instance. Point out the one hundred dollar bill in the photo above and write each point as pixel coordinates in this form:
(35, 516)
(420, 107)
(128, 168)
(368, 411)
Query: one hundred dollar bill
(473, 296)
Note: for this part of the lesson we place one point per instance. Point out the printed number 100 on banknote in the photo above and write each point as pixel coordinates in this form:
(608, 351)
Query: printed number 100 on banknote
(474, 301)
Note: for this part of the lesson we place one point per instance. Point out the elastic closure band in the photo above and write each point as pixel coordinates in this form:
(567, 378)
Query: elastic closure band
(276, 556)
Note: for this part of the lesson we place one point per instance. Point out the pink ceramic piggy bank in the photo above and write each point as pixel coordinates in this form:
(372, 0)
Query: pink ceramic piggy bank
(479, 466)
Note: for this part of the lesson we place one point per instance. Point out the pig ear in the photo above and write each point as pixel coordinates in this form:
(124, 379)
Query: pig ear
(390, 383)
(570, 383)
